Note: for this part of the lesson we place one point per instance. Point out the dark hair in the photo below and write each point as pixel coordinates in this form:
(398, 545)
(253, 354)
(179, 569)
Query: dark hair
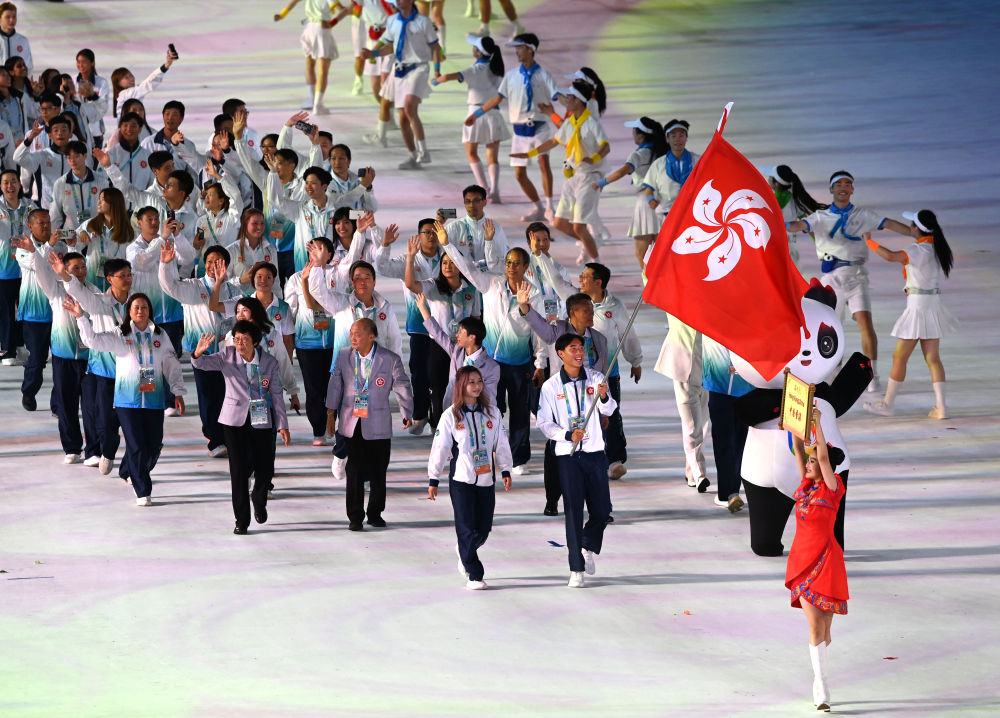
(274, 138)
(657, 140)
(846, 174)
(143, 211)
(326, 135)
(496, 57)
(132, 117)
(601, 272)
(219, 119)
(683, 123)
(126, 325)
(836, 456)
(230, 106)
(60, 120)
(804, 202)
(600, 94)
(20, 191)
(528, 38)
(474, 189)
(223, 197)
(426, 221)
(475, 327)
(520, 252)
(441, 282)
(576, 300)
(263, 265)
(159, 158)
(370, 324)
(287, 155)
(321, 175)
(113, 265)
(74, 125)
(89, 54)
(76, 146)
(584, 88)
(174, 105)
(326, 242)
(536, 227)
(220, 250)
(242, 326)
(121, 228)
(458, 397)
(344, 213)
(70, 256)
(341, 146)
(258, 314)
(35, 212)
(360, 264)
(941, 248)
(184, 181)
(51, 98)
(566, 339)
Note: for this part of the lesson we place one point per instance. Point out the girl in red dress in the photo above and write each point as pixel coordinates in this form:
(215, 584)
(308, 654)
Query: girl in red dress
(816, 574)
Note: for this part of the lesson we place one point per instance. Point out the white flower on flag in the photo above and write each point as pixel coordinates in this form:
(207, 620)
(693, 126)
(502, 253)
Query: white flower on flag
(736, 218)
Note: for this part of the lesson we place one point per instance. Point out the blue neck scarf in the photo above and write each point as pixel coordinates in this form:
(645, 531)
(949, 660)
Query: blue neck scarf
(841, 224)
(679, 169)
(529, 96)
(401, 40)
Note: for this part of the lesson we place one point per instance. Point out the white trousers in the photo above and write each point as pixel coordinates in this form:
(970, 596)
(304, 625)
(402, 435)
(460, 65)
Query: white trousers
(692, 405)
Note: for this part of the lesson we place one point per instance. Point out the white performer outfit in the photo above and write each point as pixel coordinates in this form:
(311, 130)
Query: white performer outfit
(925, 317)
(317, 41)
(524, 89)
(666, 176)
(375, 14)
(483, 85)
(412, 39)
(644, 221)
(582, 138)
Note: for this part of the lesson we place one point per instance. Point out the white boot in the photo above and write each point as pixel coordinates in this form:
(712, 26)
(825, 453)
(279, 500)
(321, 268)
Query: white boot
(821, 692)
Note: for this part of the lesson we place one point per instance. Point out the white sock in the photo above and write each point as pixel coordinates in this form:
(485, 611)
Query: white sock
(875, 367)
(539, 206)
(318, 97)
(382, 127)
(548, 204)
(310, 91)
(479, 172)
(891, 388)
(939, 396)
(441, 32)
(484, 28)
(421, 147)
(494, 178)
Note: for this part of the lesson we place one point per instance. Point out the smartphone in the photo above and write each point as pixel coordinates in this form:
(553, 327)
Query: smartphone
(361, 172)
(66, 234)
(173, 51)
(200, 234)
(305, 127)
(356, 214)
(170, 215)
(448, 213)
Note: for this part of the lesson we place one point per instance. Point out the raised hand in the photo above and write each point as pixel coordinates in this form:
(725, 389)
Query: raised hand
(102, 157)
(489, 230)
(412, 246)
(72, 306)
(300, 116)
(204, 343)
(524, 294)
(367, 220)
(239, 122)
(167, 252)
(441, 233)
(391, 235)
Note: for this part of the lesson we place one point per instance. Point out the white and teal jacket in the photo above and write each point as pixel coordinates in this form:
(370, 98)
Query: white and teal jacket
(307, 335)
(106, 313)
(280, 228)
(65, 337)
(74, 199)
(149, 348)
(99, 248)
(194, 295)
(32, 303)
(145, 259)
(13, 221)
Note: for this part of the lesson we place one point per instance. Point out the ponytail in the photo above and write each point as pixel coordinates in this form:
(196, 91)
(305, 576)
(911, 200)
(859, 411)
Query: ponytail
(941, 248)
(496, 57)
(804, 202)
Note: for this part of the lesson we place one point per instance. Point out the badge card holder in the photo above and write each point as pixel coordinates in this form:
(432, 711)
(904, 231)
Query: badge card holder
(147, 378)
(321, 321)
(453, 329)
(258, 413)
(481, 461)
(361, 405)
(551, 309)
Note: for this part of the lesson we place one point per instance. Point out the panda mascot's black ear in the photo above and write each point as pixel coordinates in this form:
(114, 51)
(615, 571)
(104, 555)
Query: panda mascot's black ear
(821, 293)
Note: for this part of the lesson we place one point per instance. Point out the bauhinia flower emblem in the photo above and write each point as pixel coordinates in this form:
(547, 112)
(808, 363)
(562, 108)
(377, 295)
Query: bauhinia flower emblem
(736, 219)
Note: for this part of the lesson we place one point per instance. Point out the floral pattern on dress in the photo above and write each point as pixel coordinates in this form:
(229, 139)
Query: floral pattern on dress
(802, 590)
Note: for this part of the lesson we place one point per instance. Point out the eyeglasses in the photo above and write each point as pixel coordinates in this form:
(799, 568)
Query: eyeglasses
(474, 200)
(121, 275)
(427, 231)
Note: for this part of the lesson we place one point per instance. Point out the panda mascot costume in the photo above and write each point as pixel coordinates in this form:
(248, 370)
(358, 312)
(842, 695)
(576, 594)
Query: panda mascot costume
(770, 474)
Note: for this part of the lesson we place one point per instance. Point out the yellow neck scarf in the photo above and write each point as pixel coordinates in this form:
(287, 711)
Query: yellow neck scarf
(574, 148)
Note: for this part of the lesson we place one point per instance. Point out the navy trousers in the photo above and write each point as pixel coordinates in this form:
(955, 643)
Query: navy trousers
(584, 480)
(729, 434)
(614, 435)
(366, 459)
(514, 386)
(473, 507)
(143, 430)
(211, 389)
(10, 328)
(286, 265)
(315, 366)
(418, 363)
(37, 337)
(99, 398)
(67, 388)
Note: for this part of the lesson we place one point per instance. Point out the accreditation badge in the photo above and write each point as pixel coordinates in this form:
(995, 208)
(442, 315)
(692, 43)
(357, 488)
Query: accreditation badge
(361, 405)
(258, 413)
(321, 321)
(551, 309)
(481, 461)
(147, 378)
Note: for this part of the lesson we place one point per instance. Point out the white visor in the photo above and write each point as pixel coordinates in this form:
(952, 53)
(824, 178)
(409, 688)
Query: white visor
(675, 126)
(840, 176)
(772, 172)
(574, 92)
(637, 124)
(519, 43)
(477, 42)
(578, 75)
(912, 216)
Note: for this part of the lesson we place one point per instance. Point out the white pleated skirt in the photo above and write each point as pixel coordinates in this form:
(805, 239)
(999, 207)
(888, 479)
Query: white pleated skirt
(925, 317)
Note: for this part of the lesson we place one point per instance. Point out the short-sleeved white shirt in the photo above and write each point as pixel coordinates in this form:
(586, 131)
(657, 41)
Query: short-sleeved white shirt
(420, 36)
(923, 271)
(481, 82)
(592, 136)
(513, 87)
(859, 220)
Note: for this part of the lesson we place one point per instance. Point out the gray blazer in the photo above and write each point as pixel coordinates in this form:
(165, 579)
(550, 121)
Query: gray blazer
(548, 333)
(485, 363)
(236, 405)
(387, 375)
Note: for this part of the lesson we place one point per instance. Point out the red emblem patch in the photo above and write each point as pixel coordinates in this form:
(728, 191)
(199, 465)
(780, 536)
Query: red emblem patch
(277, 316)
(381, 316)
(250, 142)
(93, 190)
(20, 49)
(1, 135)
(219, 225)
(267, 257)
(69, 191)
(590, 390)
(142, 163)
(468, 297)
(270, 343)
(265, 383)
(380, 382)
(156, 343)
(489, 424)
(607, 314)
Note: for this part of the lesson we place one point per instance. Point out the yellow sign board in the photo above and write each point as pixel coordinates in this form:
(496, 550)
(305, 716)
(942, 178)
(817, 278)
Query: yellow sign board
(796, 407)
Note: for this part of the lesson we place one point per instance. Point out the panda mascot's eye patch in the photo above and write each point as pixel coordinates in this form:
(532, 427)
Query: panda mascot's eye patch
(826, 341)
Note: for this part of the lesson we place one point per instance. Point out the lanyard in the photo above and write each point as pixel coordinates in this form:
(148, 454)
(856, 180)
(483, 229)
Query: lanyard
(357, 369)
(138, 346)
(580, 407)
(255, 370)
(473, 436)
(463, 290)
(538, 277)
(208, 224)
(82, 200)
(363, 312)
(312, 226)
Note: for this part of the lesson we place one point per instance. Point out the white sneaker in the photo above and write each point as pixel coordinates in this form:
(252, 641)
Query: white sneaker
(418, 427)
(583, 256)
(92, 461)
(374, 138)
(483, 31)
(143, 501)
(938, 413)
(410, 164)
(470, 9)
(307, 105)
(494, 198)
(339, 468)
(616, 470)
(550, 215)
(691, 480)
(105, 466)
(476, 585)
(461, 566)
(72, 459)
(589, 564)
(320, 109)
(424, 157)
(879, 407)
(575, 579)
(218, 452)
(534, 216)
(359, 86)
(520, 470)
(875, 385)
(13, 361)
(170, 411)
(718, 501)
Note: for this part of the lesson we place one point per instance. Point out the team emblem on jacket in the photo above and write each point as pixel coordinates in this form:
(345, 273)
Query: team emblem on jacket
(277, 316)
(142, 163)
(156, 343)
(380, 382)
(69, 191)
(270, 344)
(468, 297)
(607, 315)
(267, 257)
(250, 142)
(265, 382)
(1, 135)
(93, 190)
(381, 316)
(219, 224)
(489, 424)
(20, 48)
(590, 391)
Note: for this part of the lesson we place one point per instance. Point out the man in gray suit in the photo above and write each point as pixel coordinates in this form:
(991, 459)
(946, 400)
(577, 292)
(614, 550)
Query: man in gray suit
(363, 376)
(580, 310)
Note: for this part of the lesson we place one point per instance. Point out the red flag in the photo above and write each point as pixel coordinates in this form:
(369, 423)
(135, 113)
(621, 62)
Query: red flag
(721, 261)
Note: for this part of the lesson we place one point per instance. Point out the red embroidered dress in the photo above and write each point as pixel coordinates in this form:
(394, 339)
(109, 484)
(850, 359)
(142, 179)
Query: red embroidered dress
(815, 570)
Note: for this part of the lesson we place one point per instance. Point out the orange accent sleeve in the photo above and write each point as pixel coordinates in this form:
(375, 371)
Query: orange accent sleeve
(872, 245)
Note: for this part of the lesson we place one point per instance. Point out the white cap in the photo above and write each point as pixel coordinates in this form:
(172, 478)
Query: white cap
(477, 42)
(676, 126)
(772, 172)
(912, 216)
(637, 124)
